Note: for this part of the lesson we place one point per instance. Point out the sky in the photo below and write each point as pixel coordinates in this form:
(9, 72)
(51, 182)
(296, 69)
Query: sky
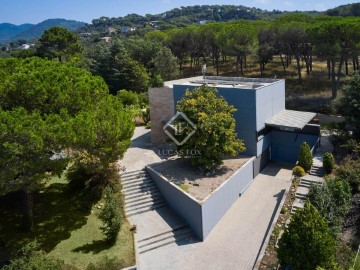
(35, 11)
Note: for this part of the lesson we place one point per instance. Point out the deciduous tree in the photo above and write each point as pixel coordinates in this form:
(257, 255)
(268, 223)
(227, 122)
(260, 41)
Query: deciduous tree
(215, 136)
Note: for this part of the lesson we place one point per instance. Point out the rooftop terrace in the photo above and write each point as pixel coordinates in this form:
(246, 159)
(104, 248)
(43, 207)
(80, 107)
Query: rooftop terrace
(224, 82)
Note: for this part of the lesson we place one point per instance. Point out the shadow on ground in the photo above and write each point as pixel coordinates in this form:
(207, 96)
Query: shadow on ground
(95, 247)
(57, 212)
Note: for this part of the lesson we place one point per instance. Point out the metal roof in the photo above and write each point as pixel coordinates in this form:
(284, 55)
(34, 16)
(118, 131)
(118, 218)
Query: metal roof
(290, 119)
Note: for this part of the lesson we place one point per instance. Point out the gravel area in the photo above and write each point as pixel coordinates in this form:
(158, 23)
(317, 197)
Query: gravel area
(192, 180)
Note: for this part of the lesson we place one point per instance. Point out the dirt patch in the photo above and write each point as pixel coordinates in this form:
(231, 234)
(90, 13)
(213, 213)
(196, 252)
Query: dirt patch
(192, 180)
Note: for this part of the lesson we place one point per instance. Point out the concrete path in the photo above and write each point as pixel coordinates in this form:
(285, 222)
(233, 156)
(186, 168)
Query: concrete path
(236, 240)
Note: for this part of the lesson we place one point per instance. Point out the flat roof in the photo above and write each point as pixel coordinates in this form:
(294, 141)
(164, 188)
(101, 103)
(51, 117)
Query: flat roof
(290, 119)
(224, 82)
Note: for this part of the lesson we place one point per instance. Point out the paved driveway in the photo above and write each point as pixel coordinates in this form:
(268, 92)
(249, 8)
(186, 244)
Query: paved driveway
(235, 241)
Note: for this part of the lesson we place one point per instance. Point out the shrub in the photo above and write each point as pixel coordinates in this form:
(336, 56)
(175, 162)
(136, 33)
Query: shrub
(108, 264)
(328, 162)
(298, 171)
(110, 215)
(349, 170)
(305, 157)
(332, 200)
(148, 125)
(31, 258)
(307, 242)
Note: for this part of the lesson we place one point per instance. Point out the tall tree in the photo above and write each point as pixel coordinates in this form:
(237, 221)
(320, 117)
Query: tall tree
(46, 108)
(336, 40)
(215, 135)
(307, 243)
(349, 103)
(60, 43)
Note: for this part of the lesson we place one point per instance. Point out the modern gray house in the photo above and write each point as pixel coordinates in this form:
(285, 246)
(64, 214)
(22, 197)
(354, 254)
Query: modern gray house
(270, 132)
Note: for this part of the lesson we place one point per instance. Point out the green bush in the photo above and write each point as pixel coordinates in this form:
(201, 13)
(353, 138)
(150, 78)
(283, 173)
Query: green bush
(110, 215)
(307, 242)
(31, 258)
(349, 170)
(332, 200)
(298, 171)
(305, 157)
(328, 162)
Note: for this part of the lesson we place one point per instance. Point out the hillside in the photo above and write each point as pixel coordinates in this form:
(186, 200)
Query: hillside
(30, 32)
(181, 17)
(8, 30)
(345, 10)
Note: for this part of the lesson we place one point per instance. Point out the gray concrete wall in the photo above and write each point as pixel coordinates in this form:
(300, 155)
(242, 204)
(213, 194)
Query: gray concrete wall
(188, 208)
(270, 100)
(161, 109)
(218, 203)
(245, 116)
(285, 145)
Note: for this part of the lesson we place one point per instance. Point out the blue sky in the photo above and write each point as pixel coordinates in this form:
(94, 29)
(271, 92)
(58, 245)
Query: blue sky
(35, 11)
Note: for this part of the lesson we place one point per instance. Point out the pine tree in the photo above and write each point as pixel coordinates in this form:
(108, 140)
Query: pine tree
(307, 243)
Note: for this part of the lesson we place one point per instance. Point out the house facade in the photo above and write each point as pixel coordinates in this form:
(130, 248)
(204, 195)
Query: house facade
(270, 132)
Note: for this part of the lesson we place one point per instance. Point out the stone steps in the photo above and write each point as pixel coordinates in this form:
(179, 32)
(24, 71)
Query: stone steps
(180, 233)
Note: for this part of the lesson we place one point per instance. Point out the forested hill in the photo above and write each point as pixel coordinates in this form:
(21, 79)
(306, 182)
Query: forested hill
(8, 30)
(184, 16)
(29, 32)
(345, 10)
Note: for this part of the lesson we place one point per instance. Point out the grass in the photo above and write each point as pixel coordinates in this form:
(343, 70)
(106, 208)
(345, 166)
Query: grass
(184, 187)
(66, 227)
(312, 94)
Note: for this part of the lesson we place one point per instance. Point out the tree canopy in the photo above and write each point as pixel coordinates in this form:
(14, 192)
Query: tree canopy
(47, 108)
(307, 243)
(215, 135)
(60, 43)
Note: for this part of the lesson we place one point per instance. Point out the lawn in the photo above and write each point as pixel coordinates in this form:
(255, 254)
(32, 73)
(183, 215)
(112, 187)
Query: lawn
(66, 227)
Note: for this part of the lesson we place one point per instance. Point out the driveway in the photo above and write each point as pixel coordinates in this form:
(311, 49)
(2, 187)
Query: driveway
(236, 240)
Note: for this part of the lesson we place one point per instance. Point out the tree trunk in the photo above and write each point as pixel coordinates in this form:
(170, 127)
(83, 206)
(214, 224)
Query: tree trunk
(311, 60)
(357, 63)
(354, 64)
(329, 69)
(339, 75)
(283, 63)
(241, 66)
(28, 211)
(298, 68)
(346, 68)
(245, 61)
(333, 80)
(237, 65)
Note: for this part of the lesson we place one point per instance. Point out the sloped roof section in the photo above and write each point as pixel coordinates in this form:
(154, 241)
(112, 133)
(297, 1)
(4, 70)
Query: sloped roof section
(290, 119)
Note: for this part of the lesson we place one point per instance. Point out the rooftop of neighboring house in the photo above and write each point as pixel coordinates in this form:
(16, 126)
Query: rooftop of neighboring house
(225, 82)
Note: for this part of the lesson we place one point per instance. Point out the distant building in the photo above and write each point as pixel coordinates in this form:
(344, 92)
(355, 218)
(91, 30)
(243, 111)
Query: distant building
(106, 39)
(85, 34)
(126, 29)
(24, 47)
(111, 30)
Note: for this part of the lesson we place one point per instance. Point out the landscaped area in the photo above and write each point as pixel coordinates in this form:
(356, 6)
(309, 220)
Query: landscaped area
(66, 228)
(194, 181)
